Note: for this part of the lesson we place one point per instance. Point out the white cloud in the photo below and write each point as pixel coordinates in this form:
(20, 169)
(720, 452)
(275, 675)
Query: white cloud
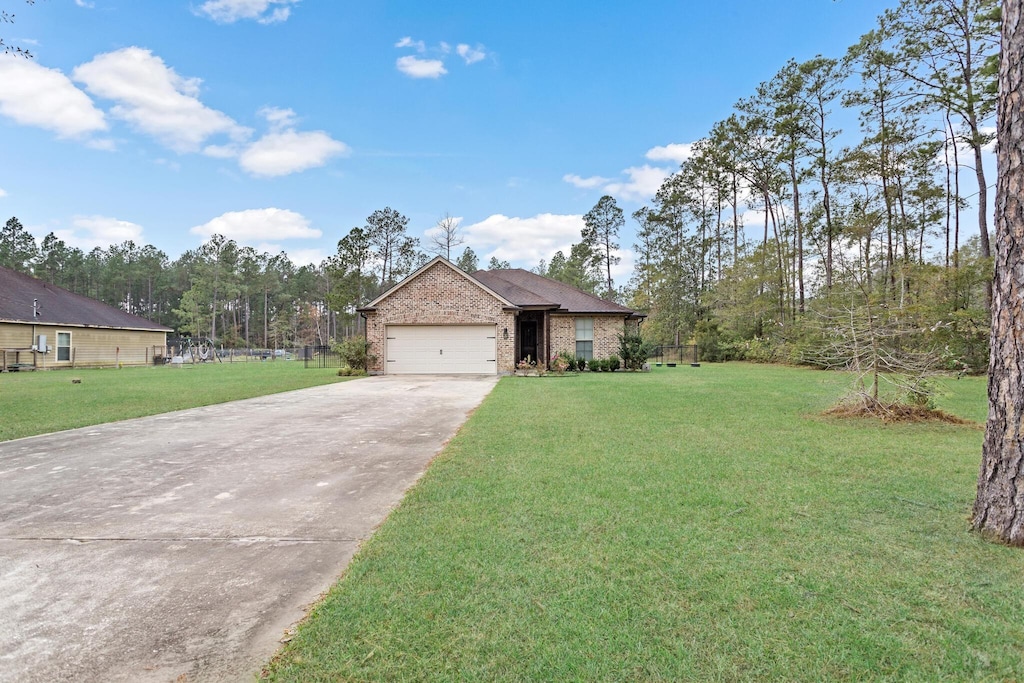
(753, 218)
(155, 99)
(523, 240)
(3, 193)
(585, 183)
(471, 54)
(83, 3)
(415, 67)
(100, 231)
(263, 11)
(407, 41)
(281, 153)
(623, 270)
(278, 118)
(33, 95)
(306, 257)
(221, 151)
(644, 182)
(990, 146)
(298, 257)
(419, 67)
(283, 150)
(268, 248)
(676, 152)
(102, 144)
(258, 224)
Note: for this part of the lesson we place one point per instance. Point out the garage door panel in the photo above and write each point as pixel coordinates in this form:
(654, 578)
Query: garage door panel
(441, 349)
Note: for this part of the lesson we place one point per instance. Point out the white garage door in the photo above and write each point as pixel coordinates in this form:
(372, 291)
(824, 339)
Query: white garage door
(441, 349)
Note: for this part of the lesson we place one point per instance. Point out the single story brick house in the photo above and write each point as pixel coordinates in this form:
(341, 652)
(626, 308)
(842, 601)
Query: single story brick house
(45, 326)
(442, 320)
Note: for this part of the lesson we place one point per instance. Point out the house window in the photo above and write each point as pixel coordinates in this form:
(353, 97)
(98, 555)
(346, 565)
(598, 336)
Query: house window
(63, 346)
(585, 337)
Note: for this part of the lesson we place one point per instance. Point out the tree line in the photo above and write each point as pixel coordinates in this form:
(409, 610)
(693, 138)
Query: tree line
(233, 294)
(862, 223)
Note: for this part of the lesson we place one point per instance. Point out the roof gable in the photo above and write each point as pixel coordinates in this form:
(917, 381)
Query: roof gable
(58, 306)
(427, 266)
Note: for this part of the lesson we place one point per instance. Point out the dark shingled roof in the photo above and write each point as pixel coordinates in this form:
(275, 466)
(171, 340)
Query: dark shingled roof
(524, 288)
(58, 306)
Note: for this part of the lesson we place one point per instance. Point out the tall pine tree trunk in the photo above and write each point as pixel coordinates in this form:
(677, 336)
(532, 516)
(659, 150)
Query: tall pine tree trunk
(799, 237)
(999, 506)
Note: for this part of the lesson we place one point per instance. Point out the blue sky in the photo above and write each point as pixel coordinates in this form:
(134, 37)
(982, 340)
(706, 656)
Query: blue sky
(284, 123)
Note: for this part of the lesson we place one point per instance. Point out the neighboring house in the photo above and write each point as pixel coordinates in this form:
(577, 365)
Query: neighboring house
(441, 320)
(78, 331)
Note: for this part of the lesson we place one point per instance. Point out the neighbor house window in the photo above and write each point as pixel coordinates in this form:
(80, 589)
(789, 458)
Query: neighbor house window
(585, 337)
(64, 346)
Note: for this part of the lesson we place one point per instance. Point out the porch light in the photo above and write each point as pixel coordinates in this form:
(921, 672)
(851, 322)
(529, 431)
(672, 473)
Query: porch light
(505, 333)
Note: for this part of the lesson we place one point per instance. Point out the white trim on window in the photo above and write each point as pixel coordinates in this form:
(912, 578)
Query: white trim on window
(585, 338)
(63, 349)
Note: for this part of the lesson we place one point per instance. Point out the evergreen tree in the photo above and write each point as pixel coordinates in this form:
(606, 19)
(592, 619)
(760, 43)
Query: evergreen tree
(18, 250)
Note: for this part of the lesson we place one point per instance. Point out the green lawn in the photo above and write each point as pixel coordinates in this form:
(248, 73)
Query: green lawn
(40, 402)
(687, 524)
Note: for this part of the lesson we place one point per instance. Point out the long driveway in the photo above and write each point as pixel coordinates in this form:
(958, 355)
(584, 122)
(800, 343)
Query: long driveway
(182, 546)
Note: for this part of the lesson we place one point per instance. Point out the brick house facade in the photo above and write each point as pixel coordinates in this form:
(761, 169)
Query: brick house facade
(486, 321)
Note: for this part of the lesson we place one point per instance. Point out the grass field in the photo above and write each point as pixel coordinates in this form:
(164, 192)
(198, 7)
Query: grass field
(687, 524)
(40, 402)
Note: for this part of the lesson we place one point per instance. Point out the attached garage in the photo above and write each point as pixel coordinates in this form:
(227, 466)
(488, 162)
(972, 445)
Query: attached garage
(442, 320)
(441, 349)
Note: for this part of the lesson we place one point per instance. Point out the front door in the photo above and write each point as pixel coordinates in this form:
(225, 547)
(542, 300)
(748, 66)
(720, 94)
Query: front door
(528, 339)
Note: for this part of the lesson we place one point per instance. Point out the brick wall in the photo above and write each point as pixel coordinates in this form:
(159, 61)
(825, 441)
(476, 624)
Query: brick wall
(440, 296)
(607, 329)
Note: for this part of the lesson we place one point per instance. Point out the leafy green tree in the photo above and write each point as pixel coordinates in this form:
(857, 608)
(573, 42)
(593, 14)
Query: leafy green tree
(642, 283)
(213, 284)
(250, 265)
(393, 249)
(821, 86)
(53, 260)
(153, 295)
(496, 264)
(947, 50)
(889, 127)
(726, 145)
(276, 273)
(759, 165)
(351, 279)
(468, 261)
(18, 250)
(602, 224)
(789, 119)
(578, 269)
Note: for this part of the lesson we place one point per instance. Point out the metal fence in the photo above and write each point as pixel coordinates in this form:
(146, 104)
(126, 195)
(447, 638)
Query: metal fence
(674, 354)
(320, 357)
(202, 350)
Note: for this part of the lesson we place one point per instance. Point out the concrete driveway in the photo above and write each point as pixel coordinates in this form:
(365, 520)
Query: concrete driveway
(182, 546)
